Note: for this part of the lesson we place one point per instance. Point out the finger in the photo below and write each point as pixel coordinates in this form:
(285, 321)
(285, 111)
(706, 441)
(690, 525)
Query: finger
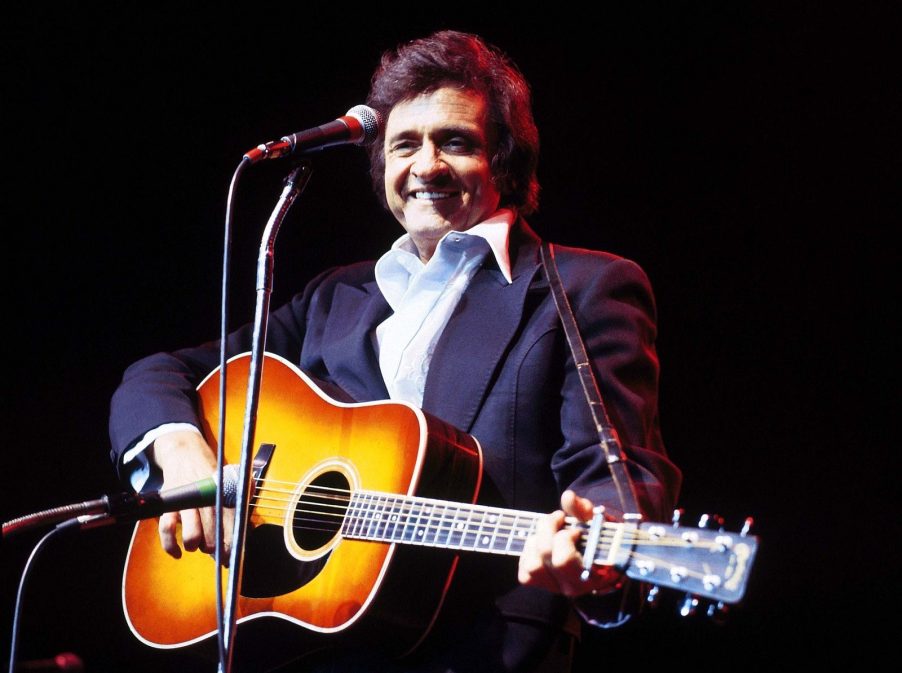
(529, 563)
(168, 527)
(208, 517)
(546, 527)
(574, 505)
(208, 530)
(563, 550)
(566, 563)
(192, 529)
(532, 571)
(535, 560)
(208, 521)
(228, 524)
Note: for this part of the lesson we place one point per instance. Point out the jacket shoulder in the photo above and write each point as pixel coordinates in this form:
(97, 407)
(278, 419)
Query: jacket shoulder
(358, 273)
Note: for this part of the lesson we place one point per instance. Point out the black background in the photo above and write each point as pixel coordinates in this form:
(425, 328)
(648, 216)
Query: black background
(741, 153)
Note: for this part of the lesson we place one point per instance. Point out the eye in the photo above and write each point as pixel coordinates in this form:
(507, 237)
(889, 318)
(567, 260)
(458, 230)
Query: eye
(458, 145)
(403, 148)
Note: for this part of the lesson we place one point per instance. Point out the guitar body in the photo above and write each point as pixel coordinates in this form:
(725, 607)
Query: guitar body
(334, 588)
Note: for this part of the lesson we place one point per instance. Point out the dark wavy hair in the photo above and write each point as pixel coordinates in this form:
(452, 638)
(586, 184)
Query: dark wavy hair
(464, 61)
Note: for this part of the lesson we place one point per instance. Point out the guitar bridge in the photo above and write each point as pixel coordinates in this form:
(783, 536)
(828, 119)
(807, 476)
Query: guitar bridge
(261, 460)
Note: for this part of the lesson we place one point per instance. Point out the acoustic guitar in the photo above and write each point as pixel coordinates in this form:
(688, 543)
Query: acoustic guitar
(350, 495)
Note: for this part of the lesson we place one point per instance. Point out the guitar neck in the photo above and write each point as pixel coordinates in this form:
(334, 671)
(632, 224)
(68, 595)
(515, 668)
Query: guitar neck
(709, 563)
(383, 517)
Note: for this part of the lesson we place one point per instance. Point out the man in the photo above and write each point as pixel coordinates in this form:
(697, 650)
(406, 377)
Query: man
(456, 318)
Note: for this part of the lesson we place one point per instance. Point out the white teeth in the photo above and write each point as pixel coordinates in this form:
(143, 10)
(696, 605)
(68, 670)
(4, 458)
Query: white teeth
(431, 196)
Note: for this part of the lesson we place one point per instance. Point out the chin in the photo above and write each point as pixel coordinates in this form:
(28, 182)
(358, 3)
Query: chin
(437, 226)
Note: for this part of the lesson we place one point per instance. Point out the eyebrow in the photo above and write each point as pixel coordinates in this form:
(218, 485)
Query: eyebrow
(474, 132)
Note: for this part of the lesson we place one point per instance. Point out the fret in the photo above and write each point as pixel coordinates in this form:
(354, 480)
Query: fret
(367, 520)
(350, 516)
(406, 534)
(358, 515)
(470, 538)
(460, 528)
(510, 527)
(379, 516)
(373, 526)
(394, 519)
(435, 524)
(484, 539)
(446, 525)
(449, 524)
(522, 530)
(419, 508)
(495, 518)
(414, 510)
(390, 518)
(385, 517)
(424, 509)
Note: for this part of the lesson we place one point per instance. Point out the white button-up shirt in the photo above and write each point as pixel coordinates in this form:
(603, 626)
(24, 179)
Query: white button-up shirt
(423, 297)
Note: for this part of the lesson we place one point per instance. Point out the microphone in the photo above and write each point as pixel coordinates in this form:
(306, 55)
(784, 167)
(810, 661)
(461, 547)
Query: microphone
(135, 506)
(360, 126)
(202, 493)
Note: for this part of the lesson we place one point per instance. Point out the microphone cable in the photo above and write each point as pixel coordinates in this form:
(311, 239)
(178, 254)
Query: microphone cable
(14, 642)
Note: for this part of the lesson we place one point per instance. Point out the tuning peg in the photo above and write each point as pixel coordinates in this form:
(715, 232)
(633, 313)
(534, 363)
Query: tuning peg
(677, 513)
(710, 521)
(688, 606)
(747, 526)
(652, 597)
(718, 612)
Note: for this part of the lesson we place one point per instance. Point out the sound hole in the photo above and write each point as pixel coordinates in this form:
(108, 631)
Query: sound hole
(321, 510)
(269, 570)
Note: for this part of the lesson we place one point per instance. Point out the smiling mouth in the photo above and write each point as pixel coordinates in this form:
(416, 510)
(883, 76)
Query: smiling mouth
(432, 196)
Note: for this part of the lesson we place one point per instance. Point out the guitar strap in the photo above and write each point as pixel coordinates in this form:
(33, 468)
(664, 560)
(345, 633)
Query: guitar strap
(607, 435)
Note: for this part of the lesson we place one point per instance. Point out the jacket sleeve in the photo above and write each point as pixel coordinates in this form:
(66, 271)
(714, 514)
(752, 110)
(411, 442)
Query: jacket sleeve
(161, 388)
(615, 310)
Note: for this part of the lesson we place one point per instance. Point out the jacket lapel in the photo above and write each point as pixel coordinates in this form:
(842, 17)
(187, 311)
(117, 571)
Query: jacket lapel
(473, 343)
(348, 351)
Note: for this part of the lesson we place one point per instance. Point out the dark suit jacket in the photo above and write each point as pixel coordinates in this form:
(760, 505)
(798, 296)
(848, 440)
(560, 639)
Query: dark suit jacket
(501, 371)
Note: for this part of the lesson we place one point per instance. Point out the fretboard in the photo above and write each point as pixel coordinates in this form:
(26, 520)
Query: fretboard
(383, 517)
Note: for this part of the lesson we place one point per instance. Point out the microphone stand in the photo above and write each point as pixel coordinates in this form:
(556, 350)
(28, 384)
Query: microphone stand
(294, 185)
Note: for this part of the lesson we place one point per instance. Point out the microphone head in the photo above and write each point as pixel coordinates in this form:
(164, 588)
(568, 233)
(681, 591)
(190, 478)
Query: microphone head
(369, 119)
(229, 484)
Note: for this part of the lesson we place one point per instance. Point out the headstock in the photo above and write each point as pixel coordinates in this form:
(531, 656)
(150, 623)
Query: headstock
(704, 561)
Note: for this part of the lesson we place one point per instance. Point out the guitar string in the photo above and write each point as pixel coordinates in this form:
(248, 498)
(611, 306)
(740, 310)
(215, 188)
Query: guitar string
(408, 507)
(433, 527)
(471, 533)
(345, 496)
(472, 529)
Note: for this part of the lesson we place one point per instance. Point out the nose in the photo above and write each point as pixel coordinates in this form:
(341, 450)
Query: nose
(428, 164)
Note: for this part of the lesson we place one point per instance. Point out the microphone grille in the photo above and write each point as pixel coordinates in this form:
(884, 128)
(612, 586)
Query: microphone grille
(369, 119)
(229, 485)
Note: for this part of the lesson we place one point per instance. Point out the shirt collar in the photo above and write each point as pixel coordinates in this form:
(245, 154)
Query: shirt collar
(495, 230)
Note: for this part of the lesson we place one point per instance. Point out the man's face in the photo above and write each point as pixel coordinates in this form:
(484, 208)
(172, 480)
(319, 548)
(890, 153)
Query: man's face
(437, 165)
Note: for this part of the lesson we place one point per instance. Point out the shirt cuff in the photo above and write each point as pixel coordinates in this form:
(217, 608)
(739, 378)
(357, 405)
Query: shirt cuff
(138, 454)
